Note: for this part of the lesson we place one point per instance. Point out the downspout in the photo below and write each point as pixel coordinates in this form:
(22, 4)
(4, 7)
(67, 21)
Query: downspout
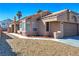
(77, 30)
(77, 27)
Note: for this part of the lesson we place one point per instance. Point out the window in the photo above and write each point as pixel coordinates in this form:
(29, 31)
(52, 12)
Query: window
(28, 26)
(47, 26)
(38, 19)
(3, 23)
(34, 29)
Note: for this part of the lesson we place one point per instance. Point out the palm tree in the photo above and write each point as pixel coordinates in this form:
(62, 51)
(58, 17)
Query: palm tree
(19, 14)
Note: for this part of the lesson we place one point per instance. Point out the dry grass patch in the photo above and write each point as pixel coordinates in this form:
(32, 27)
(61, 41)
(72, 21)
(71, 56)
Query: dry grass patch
(42, 48)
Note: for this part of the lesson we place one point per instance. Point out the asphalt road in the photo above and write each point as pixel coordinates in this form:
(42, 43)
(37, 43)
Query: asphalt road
(5, 48)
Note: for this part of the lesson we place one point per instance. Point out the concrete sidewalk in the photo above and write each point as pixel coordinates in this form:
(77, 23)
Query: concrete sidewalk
(68, 40)
(35, 38)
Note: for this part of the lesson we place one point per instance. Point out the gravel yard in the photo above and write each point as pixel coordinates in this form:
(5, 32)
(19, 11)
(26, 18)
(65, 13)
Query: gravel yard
(26, 47)
(12, 46)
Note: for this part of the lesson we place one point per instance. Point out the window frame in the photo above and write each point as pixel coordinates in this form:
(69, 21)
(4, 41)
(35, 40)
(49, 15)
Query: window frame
(74, 18)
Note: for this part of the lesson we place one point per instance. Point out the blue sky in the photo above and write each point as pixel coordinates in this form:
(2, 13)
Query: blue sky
(9, 10)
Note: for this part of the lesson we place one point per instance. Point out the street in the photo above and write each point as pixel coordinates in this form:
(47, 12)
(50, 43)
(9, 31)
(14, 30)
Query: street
(5, 48)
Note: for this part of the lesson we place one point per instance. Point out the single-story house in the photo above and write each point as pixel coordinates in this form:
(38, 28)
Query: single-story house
(57, 25)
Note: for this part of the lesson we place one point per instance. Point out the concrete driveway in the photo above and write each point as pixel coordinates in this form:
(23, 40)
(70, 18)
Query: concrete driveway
(72, 40)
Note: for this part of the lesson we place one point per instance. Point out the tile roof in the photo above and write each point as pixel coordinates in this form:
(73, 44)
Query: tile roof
(37, 14)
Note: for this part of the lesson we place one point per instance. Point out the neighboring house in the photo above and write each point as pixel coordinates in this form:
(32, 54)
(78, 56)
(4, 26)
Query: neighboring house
(56, 25)
(14, 26)
(5, 23)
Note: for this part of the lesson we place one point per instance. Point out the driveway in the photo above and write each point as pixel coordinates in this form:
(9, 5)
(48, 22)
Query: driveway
(72, 40)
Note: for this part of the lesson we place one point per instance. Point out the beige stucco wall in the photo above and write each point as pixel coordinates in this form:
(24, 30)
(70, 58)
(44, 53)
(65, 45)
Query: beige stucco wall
(41, 28)
(50, 18)
(71, 18)
(34, 24)
(56, 29)
(64, 17)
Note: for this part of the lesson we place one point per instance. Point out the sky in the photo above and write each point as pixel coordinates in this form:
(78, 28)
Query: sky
(9, 10)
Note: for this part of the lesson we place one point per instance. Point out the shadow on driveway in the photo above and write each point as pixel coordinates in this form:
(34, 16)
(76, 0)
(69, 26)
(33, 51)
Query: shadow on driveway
(72, 37)
(5, 48)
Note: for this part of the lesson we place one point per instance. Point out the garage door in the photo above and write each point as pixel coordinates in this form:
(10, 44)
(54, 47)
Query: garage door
(70, 29)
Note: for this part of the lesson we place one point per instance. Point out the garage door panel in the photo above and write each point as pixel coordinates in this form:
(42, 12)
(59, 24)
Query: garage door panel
(70, 29)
